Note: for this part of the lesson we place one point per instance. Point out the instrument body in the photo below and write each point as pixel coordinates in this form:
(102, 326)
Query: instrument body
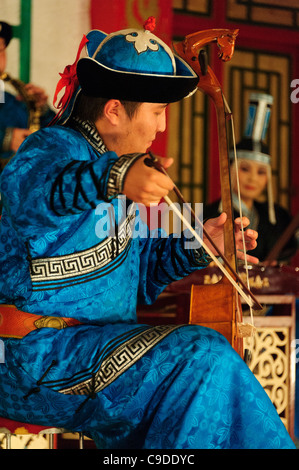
(218, 308)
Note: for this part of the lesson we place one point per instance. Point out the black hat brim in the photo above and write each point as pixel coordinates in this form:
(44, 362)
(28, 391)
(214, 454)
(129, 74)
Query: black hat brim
(99, 81)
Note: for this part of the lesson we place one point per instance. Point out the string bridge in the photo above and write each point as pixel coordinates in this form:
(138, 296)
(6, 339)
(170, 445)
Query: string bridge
(245, 330)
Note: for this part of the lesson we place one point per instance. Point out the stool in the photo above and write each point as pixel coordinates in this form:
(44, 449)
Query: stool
(10, 427)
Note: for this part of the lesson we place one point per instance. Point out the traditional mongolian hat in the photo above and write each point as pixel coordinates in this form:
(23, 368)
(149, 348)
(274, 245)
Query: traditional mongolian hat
(5, 32)
(132, 65)
(252, 145)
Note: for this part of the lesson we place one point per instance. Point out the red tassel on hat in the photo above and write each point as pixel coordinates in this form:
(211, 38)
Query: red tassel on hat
(150, 24)
(68, 80)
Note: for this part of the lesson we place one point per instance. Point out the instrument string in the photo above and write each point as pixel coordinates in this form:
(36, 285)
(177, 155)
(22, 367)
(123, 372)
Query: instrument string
(241, 214)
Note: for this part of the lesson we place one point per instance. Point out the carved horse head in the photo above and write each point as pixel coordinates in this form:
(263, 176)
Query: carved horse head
(226, 44)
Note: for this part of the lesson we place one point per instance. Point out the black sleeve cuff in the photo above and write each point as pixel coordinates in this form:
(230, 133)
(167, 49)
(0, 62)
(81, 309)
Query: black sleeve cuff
(118, 173)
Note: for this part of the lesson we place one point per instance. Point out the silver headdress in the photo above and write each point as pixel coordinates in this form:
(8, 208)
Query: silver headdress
(252, 145)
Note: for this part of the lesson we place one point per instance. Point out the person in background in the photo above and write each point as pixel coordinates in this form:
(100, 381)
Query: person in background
(74, 264)
(15, 123)
(253, 165)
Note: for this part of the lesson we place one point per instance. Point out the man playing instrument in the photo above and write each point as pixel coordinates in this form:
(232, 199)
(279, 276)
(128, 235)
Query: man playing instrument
(73, 270)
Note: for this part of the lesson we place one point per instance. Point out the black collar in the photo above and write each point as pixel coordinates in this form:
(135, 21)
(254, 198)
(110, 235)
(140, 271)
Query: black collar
(90, 133)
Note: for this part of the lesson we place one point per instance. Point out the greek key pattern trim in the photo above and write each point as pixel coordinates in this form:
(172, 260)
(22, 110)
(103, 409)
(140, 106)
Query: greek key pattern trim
(84, 262)
(90, 133)
(120, 360)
